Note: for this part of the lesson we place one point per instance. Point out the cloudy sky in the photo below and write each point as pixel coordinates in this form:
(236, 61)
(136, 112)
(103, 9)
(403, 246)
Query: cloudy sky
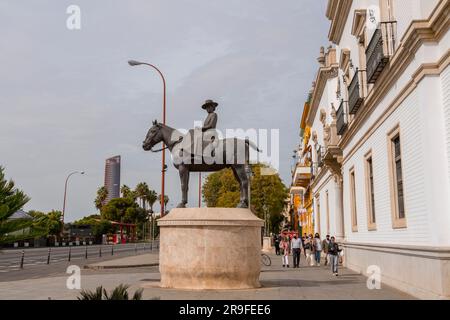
(68, 99)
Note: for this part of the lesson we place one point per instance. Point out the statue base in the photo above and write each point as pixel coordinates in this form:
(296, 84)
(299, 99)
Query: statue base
(210, 248)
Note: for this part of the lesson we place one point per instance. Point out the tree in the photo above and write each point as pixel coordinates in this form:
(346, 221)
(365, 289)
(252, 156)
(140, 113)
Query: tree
(123, 210)
(102, 194)
(166, 201)
(99, 226)
(268, 193)
(11, 201)
(141, 191)
(151, 198)
(93, 218)
(126, 191)
(51, 222)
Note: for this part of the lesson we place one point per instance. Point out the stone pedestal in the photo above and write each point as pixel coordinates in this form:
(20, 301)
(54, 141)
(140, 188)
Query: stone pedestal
(267, 244)
(210, 248)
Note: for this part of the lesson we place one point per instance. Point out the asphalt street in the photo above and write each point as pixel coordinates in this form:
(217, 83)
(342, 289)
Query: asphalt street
(35, 259)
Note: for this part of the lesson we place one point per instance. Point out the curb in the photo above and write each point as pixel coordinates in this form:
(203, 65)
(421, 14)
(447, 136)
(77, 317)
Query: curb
(120, 267)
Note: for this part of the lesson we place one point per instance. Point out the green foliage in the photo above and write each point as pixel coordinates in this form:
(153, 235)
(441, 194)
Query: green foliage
(268, 193)
(118, 293)
(50, 222)
(127, 192)
(141, 192)
(166, 199)
(99, 225)
(102, 227)
(88, 220)
(123, 210)
(91, 295)
(151, 197)
(12, 200)
(102, 194)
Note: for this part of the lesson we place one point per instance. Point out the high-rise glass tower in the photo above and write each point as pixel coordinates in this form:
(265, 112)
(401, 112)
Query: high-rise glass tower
(112, 178)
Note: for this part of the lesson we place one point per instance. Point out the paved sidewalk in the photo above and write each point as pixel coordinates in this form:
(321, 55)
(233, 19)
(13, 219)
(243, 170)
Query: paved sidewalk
(277, 283)
(143, 260)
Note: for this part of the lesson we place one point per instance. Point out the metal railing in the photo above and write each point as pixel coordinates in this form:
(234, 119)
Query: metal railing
(380, 49)
(355, 97)
(341, 123)
(82, 252)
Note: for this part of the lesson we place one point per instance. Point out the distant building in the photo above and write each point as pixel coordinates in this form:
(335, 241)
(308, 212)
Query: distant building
(20, 215)
(112, 177)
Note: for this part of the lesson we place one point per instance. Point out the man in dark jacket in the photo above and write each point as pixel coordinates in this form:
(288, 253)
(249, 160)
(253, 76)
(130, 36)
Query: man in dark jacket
(333, 251)
(276, 242)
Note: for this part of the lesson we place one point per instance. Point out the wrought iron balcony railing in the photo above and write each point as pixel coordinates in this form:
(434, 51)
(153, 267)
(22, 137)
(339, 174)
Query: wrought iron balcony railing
(320, 153)
(341, 122)
(355, 94)
(380, 49)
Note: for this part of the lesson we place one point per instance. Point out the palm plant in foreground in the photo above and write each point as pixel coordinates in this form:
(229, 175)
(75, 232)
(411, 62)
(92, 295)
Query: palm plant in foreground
(118, 293)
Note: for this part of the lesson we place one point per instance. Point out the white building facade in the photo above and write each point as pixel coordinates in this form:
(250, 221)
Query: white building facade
(380, 138)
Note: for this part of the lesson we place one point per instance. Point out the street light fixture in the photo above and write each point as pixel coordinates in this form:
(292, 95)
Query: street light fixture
(163, 164)
(65, 195)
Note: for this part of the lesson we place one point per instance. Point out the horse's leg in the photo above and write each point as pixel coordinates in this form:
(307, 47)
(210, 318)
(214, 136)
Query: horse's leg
(241, 176)
(184, 178)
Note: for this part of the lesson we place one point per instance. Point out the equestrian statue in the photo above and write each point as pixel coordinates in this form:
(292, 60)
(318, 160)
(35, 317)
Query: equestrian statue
(201, 150)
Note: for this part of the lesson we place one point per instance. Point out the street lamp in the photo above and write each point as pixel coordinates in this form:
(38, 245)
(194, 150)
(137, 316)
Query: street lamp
(65, 194)
(266, 221)
(249, 172)
(163, 164)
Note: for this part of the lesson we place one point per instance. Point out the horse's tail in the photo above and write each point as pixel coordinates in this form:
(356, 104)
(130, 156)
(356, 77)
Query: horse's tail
(252, 145)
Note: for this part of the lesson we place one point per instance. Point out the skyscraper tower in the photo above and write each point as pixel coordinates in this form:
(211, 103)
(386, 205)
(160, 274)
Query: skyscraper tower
(112, 178)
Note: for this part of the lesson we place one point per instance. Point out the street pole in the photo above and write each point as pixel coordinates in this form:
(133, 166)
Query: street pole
(163, 160)
(199, 189)
(65, 195)
(249, 175)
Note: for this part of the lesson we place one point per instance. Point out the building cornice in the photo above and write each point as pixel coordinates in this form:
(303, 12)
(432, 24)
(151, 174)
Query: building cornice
(337, 12)
(359, 23)
(324, 74)
(418, 33)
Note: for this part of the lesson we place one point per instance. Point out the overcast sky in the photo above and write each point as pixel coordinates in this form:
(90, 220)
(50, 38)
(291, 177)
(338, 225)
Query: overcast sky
(68, 99)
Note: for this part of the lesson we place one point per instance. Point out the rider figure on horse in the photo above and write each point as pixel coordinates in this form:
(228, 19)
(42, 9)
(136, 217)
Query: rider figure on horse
(208, 133)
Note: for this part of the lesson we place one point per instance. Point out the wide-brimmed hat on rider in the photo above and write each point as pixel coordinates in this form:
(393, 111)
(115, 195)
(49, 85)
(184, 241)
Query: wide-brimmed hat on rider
(209, 103)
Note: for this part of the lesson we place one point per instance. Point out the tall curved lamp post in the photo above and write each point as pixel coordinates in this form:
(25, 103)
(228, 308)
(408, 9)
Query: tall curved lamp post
(65, 196)
(163, 164)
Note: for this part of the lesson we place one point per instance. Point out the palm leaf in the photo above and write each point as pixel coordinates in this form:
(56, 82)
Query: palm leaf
(91, 295)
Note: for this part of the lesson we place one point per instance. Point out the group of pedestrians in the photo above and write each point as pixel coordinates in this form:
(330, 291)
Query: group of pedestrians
(313, 248)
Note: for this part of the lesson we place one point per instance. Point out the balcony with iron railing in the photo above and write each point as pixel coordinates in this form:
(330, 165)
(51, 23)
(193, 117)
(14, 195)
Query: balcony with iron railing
(380, 49)
(355, 93)
(320, 152)
(341, 121)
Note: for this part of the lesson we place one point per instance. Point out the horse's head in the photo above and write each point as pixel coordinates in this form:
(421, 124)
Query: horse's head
(154, 136)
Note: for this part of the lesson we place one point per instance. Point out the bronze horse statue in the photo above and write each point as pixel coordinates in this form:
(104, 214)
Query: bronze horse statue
(233, 151)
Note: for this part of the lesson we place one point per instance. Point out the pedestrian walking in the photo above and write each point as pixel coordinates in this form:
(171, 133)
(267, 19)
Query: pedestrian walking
(284, 245)
(334, 250)
(296, 246)
(325, 244)
(317, 243)
(303, 245)
(309, 251)
(276, 242)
